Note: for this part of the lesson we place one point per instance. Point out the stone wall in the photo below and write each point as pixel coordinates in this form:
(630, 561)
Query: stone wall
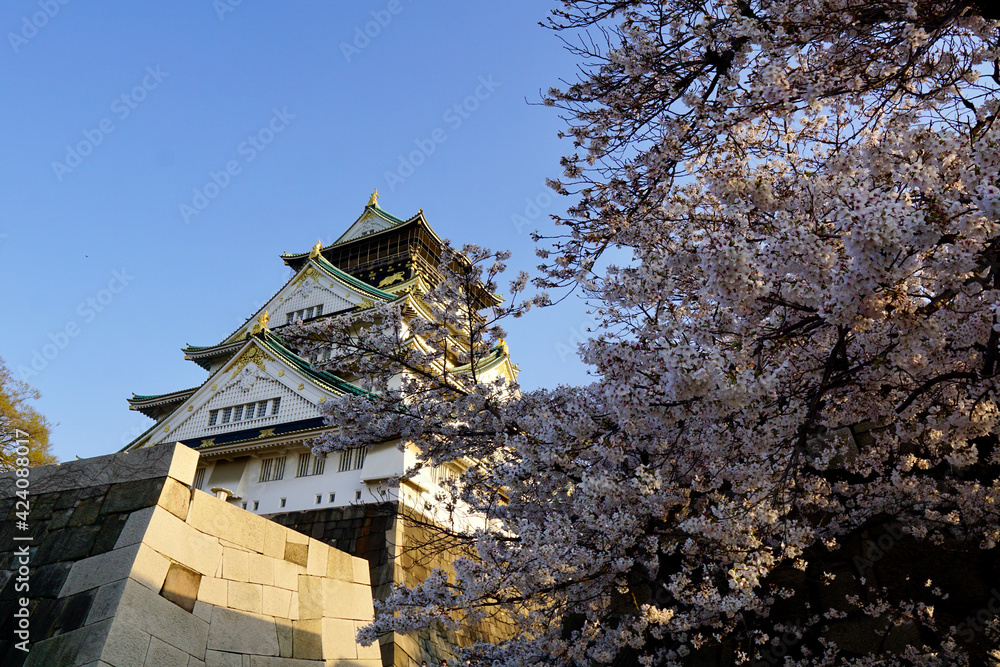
(401, 548)
(129, 567)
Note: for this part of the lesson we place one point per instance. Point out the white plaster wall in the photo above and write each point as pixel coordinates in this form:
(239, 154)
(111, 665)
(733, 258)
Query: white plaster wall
(300, 492)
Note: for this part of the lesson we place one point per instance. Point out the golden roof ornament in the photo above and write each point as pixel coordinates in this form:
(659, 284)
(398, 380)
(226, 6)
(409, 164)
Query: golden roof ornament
(503, 347)
(316, 250)
(373, 200)
(261, 323)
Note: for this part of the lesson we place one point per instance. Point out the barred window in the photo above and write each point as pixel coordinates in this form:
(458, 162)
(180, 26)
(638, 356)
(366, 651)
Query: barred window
(304, 314)
(272, 469)
(199, 478)
(352, 459)
(244, 412)
(310, 465)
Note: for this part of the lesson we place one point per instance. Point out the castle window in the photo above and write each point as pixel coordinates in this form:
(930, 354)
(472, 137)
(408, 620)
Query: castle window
(332, 497)
(304, 314)
(272, 469)
(310, 465)
(281, 503)
(199, 478)
(244, 412)
(256, 504)
(352, 459)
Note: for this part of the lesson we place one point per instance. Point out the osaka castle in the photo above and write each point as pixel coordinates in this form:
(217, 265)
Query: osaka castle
(253, 418)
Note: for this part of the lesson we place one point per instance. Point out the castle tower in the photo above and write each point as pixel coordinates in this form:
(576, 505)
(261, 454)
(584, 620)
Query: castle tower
(253, 418)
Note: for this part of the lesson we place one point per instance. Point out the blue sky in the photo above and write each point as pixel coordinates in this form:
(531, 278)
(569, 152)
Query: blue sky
(123, 237)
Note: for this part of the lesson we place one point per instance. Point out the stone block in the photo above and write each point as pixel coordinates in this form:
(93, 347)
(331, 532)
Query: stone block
(157, 616)
(242, 632)
(47, 581)
(235, 565)
(317, 558)
(310, 597)
(338, 639)
(293, 612)
(60, 518)
(261, 569)
(274, 540)
(366, 652)
(72, 648)
(285, 636)
(180, 586)
(182, 543)
(183, 463)
(307, 639)
(214, 591)
(111, 526)
(347, 600)
(264, 661)
(362, 575)
(135, 527)
(297, 552)
(86, 512)
(105, 602)
(175, 498)
(245, 597)
(131, 496)
(296, 537)
(75, 610)
(286, 574)
(163, 654)
(223, 659)
(99, 570)
(68, 544)
(149, 568)
(195, 662)
(228, 522)
(202, 611)
(276, 602)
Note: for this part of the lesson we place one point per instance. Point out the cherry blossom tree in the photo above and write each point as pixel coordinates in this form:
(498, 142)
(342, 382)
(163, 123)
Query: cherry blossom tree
(791, 448)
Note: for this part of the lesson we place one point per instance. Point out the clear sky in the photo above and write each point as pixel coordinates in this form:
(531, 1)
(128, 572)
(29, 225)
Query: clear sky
(123, 237)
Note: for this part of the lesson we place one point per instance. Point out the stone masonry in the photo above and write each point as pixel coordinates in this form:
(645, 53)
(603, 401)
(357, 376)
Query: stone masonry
(128, 566)
(402, 546)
